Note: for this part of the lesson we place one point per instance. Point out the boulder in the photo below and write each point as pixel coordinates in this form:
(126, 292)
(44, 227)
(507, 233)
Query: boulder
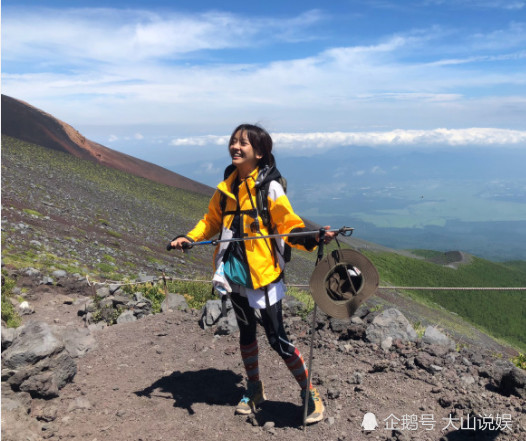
(59, 274)
(46, 281)
(210, 314)
(78, 341)
(8, 335)
(292, 306)
(103, 292)
(37, 362)
(211, 317)
(126, 317)
(513, 382)
(19, 425)
(113, 288)
(174, 302)
(227, 325)
(433, 336)
(390, 323)
(339, 325)
(143, 278)
(32, 272)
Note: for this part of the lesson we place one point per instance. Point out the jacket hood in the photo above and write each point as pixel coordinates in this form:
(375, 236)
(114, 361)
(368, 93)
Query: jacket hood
(266, 174)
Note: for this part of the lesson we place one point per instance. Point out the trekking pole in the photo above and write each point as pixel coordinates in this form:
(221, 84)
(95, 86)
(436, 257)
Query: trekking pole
(322, 232)
(344, 231)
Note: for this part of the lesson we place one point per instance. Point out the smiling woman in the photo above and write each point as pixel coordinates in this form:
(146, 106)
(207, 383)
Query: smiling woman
(250, 272)
(248, 147)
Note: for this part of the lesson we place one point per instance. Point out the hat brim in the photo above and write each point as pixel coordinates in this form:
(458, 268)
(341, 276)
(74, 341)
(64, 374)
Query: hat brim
(342, 281)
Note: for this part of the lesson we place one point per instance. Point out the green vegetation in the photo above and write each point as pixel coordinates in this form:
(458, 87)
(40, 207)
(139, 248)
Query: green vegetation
(303, 296)
(108, 180)
(153, 292)
(196, 293)
(108, 314)
(419, 328)
(520, 361)
(39, 260)
(519, 265)
(9, 314)
(32, 212)
(500, 313)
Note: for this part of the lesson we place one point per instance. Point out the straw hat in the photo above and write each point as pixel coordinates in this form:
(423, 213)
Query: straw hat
(342, 281)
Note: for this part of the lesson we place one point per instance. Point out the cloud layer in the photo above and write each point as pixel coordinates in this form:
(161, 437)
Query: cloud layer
(436, 137)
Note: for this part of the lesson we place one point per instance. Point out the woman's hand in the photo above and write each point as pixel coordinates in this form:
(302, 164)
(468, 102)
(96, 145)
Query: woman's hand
(328, 236)
(178, 243)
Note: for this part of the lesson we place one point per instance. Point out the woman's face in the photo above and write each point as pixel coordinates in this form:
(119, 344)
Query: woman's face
(243, 155)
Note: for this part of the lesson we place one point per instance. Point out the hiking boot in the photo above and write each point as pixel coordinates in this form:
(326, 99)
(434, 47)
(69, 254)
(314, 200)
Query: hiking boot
(253, 397)
(315, 407)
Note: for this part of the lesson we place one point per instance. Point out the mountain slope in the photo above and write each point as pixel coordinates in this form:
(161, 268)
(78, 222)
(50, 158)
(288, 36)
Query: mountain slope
(27, 123)
(63, 208)
(70, 212)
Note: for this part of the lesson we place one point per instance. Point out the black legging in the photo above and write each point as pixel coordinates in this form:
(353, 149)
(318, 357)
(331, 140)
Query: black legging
(272, 322)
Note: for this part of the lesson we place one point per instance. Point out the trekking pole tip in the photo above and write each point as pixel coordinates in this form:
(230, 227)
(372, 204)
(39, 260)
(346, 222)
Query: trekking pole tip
(346, 231)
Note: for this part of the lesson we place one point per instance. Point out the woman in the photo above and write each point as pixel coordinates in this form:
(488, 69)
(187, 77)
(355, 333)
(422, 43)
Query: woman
(254, 268)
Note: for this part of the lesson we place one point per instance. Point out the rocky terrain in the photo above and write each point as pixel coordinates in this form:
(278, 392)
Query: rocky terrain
(178, 375)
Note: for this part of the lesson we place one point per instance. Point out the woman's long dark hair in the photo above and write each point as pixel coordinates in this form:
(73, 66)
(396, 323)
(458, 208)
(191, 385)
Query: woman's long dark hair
(260, 141)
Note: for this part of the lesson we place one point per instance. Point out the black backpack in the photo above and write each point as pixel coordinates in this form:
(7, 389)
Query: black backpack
(262, 208)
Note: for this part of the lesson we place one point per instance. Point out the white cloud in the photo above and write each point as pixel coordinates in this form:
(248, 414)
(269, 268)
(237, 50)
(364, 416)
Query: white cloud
(377, 170)
(209, 169)
(201, 140)
(451, 137)
(117, 36)
(399, 137)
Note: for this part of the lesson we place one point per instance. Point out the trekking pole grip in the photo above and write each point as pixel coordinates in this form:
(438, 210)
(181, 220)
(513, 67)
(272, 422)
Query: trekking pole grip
(184, 245)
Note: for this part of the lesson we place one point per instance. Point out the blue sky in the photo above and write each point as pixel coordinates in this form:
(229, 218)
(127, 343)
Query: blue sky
(315, 74)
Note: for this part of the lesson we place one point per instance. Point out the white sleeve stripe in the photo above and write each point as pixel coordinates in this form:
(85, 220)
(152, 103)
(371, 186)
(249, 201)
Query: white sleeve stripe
(275, 190)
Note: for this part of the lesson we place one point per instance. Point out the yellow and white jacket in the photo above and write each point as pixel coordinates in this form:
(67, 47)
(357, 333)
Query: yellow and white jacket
(261, 258)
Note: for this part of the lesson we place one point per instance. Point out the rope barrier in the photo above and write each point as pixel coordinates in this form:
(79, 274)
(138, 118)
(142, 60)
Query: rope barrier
(457, 288)
(293, 285)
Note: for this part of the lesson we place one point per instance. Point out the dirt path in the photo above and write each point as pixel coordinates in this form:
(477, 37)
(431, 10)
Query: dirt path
(165, 378)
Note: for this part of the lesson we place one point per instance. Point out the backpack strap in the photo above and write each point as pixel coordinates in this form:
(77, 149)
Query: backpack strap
(262, 203)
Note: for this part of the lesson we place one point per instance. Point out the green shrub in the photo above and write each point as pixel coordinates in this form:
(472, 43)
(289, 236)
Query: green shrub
(195, 293)
(153, 292)
(32, 212)
(9, 314)
(106, 267)
(303, 296)
(519, 361)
